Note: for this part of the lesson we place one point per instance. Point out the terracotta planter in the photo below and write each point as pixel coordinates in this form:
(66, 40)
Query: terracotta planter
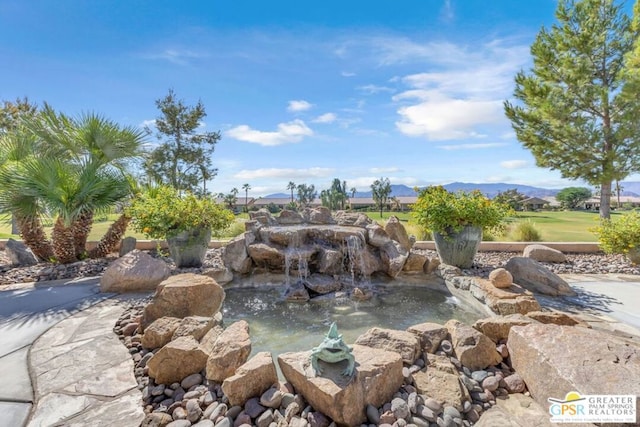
(189, 247)
(459, 249)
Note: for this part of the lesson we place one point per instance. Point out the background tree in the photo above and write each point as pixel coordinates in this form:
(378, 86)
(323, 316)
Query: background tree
(183, 158)
(231, 199)
(246, 187)
(306, 194)
(380, 191)
(291, 186)
(618, 189)
(579, 111)
(572, 197)
(511, 197)
(335, 197)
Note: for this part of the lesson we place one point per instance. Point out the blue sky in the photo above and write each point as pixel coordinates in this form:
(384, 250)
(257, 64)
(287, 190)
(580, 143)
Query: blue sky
(302, 91)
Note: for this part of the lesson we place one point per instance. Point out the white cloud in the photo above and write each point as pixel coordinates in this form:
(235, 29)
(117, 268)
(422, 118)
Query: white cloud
(175, 56)
(293, 131)
(514, 164)
(374, 89)
(462, 92)
(286, 173)
(497, 178)
(391, 169)
(347, 74)
(296, 106)
(453, 147)
(148, 123)
(363, 183)
(325, 118)
(447, 13)
(440, 118)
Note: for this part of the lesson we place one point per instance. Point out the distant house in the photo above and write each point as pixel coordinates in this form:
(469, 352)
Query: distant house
(533, 204)
(403, 203)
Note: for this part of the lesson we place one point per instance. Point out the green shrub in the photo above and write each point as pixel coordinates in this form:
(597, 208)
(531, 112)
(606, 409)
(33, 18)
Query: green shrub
(161, 212)
(417, 231)
(620, 236)
(526, 231)
(235, 229)
(441, 211)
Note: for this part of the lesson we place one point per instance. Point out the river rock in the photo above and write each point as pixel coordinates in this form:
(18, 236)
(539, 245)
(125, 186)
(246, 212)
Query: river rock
(229, 352)
(236, 257)
(535, 277)
(406, 344)
(377, 377)
(251, 379)
(19, 254)
(184, 295)
(134, 272)
(542, 253)
(497, 328)
(177, 360)
(430, 335)
(552, 361)
(501, 278)
(159, 333)
(472, 348)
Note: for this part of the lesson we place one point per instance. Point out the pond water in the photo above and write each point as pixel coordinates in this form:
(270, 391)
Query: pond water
(279, 326)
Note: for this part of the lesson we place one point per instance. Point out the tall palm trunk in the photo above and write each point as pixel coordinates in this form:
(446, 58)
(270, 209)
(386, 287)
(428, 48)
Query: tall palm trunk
(34, 237)
(111, 238)
(81, 229)
(63, 242)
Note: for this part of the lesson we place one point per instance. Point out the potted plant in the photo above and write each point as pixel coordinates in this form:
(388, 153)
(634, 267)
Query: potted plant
(185, 221)
(457, 221)
(621, 236)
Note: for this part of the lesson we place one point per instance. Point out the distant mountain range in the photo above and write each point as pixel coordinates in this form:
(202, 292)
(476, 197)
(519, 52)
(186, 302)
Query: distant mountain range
(491, 190)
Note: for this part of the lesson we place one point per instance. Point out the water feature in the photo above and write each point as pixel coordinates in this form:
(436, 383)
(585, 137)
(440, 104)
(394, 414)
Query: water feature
(279, 326)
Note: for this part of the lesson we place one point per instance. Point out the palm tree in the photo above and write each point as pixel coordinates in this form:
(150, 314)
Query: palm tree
(291, 186)
(246, 188)
(76, 167)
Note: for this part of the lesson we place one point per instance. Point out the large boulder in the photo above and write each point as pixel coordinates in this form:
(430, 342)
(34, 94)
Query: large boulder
(415, 263)
(184, 295)
(397, 232)
(554, 360)
(134, 272)
(19, 253)
(406, 344)
(393, 257)
(556, 317)
(377, 377)
(252, 379)
(430, 335)
(160, 332)
(497, 328)
(177, 360)
(534, 276)
(196, 326)
(516, 410)
(322, 284)
(229, 352)
(127, 245)
(439, 380)
(503, 301)
(236, 257)
(472, 348)
(542, 253)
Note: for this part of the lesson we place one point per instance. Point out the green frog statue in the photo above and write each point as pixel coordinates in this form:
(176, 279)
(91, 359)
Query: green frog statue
(333, 350)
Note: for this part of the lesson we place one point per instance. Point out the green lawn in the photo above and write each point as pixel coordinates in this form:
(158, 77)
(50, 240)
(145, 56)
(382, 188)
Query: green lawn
(560, 226)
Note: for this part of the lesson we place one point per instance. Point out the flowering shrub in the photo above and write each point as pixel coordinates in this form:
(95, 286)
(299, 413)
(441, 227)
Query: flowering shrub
(161, 212)
(443, 212)
(619, 236)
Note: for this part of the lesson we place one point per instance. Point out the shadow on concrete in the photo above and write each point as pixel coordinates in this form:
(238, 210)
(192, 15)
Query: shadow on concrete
(584, 302)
